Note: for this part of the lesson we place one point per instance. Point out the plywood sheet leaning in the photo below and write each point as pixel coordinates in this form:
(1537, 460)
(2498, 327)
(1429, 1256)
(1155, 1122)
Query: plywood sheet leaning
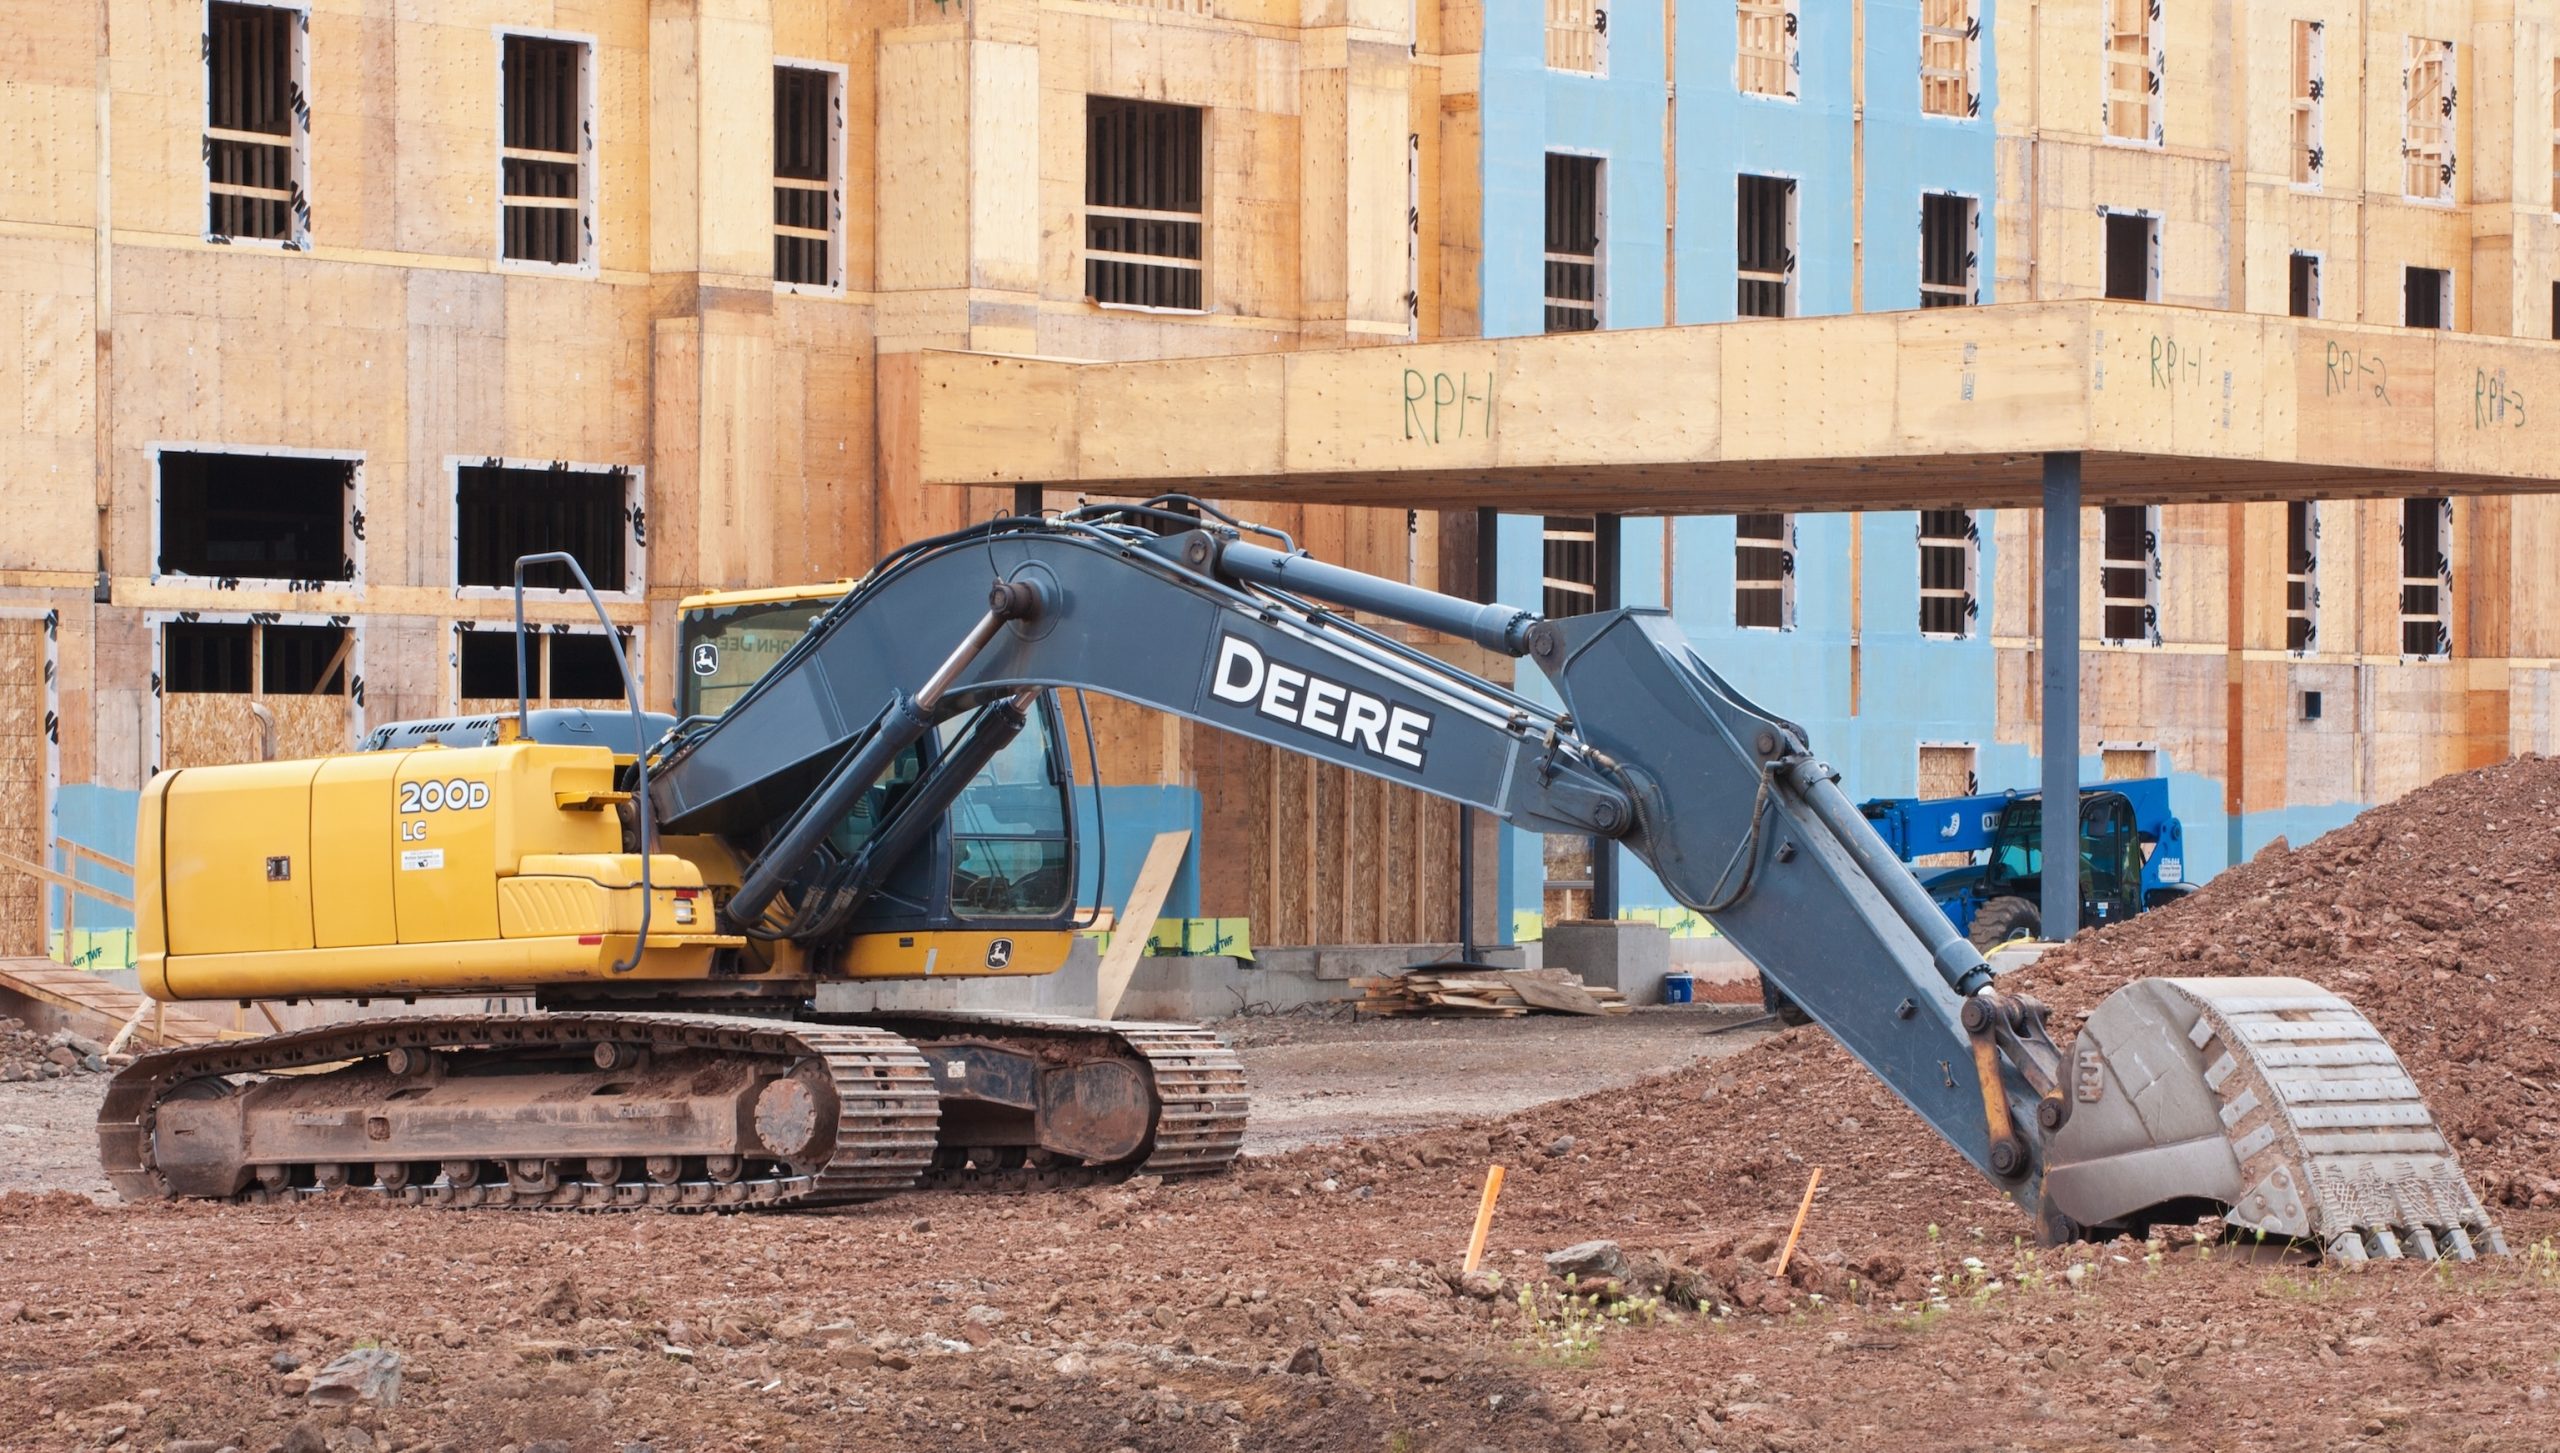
(22, 750)
(1146, 900)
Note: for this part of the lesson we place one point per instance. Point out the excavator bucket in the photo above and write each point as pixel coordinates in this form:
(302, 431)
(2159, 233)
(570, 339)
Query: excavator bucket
(2272, 1097)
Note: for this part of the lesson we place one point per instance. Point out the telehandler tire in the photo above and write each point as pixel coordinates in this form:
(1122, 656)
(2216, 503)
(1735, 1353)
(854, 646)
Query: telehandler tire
(2004, 919)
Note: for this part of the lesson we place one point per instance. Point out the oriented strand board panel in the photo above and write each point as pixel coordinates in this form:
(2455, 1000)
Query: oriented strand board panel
(22, 796)
(204, 729)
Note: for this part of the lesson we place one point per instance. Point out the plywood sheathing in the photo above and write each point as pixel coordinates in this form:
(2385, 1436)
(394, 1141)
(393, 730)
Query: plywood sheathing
(203, 729)
(23, 831)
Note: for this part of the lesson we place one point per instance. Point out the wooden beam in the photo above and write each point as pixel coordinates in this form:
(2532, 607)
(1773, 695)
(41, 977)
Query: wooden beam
(1873, 411)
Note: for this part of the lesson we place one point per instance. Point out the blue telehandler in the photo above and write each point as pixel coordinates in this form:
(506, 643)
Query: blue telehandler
(2132, 855)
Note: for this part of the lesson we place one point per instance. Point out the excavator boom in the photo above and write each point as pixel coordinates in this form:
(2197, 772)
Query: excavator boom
(1725, 801)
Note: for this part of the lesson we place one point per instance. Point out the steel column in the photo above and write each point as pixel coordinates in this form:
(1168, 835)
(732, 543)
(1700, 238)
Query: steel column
(1487, 573)
(2059, 660)
(1606, 538)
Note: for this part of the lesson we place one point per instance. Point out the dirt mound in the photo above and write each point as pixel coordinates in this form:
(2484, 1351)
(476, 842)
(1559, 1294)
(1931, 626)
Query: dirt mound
(2435, 915)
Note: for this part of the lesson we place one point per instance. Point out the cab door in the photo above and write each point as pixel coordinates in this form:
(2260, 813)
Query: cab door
(2110, 860)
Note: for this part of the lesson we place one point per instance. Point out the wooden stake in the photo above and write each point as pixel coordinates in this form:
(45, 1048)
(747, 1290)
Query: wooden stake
(125, 1035)
(1484, 1216)
(1798, 1229)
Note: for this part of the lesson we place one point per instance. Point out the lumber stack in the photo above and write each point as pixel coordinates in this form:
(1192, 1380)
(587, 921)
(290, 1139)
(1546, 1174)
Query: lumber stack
(1459, 990)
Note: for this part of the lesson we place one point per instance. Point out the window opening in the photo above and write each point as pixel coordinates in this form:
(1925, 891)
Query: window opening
(1764, 572)
(1765, 62)
(2427, 118)
(1573, 243)
(1765, 246)
(1950, 558)
(504, 511)
(2301, 575)
(2129, 574)
(561, 664)
(2302, 293)
(2130, 106)
(254, 115)
(207, 656)
(255, 516)
(806, 104)
(2133, 257)
(1950, 48)
(2127, 764)
(1947, 254)
(2426, 577)
(1144, 204)
(1572, 566)
(2310, 52)
(543, 156)
(1577, 36)
(2427, 298)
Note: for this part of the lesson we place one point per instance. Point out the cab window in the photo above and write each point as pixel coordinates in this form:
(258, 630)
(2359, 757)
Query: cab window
(1009, 849)
(728, 650)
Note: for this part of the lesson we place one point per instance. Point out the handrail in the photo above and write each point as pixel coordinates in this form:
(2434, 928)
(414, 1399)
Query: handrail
(64, 880)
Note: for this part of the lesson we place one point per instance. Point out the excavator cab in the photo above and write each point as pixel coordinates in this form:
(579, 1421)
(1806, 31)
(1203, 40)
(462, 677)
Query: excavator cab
(993, 891)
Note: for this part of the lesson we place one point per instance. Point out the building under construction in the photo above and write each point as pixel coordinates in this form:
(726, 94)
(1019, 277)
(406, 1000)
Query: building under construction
(319, 314)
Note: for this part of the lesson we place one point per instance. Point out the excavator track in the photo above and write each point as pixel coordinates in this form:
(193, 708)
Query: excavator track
(302, 1098)
(1197, 1083)
(855, 1108)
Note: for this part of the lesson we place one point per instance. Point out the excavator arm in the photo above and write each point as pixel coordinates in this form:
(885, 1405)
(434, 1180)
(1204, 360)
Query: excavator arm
(1725, 801)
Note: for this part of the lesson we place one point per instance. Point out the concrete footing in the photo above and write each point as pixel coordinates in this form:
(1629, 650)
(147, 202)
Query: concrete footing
(1614, 953)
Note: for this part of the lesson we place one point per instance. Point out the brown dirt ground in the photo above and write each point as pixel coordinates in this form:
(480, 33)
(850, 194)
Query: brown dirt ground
(1168, 1317)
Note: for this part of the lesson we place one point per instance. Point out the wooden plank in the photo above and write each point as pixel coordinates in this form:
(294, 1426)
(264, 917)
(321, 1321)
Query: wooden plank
(1562, 998)
(106, 1005)
(42, 873)
(1146, 898)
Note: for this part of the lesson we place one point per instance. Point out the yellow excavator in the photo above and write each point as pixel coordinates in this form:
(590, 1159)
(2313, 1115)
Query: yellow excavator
(866, 782)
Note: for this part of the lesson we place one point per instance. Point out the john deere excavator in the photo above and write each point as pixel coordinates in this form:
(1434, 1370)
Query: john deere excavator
(888, 800)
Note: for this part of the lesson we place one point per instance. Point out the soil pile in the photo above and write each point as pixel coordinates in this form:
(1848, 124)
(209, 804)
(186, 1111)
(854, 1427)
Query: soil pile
(2435, 915)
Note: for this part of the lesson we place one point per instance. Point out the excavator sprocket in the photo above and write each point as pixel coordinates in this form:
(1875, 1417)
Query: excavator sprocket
(616, 1110)
(2272, 1096)
(1134, 1098)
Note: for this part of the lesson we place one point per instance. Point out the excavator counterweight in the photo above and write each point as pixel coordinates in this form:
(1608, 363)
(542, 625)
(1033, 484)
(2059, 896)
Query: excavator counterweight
(893, 775)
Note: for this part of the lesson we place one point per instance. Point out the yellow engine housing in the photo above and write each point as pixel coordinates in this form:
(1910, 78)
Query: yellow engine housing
(432, 870)
(453, 870)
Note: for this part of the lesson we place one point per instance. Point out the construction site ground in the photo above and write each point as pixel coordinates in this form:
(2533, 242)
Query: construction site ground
(1311, 1298)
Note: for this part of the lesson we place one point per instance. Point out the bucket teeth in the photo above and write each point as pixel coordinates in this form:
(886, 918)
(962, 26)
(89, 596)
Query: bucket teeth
(2291, 1108)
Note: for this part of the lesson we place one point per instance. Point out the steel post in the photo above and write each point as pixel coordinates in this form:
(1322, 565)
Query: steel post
(1606, 538)
(2059, 660)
